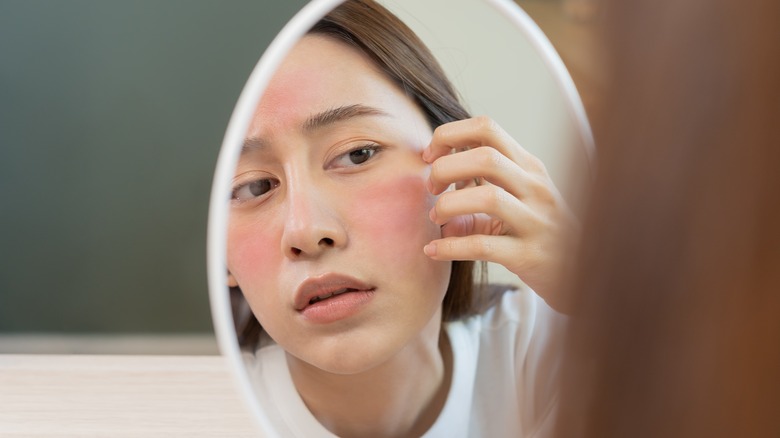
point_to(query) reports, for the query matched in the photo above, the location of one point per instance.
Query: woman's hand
(515, 216)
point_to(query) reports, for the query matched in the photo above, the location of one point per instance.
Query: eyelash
(273, 183)
(234, 195)
(374, 148)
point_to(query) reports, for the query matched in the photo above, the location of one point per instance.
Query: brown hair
(405, 59)
(677, 330)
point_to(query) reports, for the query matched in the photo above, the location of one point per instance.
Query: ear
(231, 280)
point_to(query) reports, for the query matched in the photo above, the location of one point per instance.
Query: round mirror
(319, 284)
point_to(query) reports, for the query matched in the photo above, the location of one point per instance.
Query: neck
(401, 397)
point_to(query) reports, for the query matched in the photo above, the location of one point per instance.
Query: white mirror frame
(234, 137)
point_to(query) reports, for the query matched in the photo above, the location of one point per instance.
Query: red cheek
(252, 253)
(394, 208)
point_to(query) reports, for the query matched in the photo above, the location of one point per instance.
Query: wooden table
(120, 396)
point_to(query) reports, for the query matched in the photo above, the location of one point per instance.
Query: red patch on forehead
(318, 74)
(287, 101)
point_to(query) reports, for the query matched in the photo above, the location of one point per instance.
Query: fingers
(483, 162)
(474, 247)
(514, 216)
(535, 264)
(498, 249)
(476, 132)
(501, 212)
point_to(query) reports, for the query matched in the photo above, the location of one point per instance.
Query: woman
(351, 250)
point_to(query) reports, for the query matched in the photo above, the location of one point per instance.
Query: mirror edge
(216, 243)
(550, 57)
(258, 80)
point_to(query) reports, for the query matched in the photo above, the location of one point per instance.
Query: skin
(390, 219)
(515, 217)
(327, 215)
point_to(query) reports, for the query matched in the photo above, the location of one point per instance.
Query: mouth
(319, 298)
(325, 287)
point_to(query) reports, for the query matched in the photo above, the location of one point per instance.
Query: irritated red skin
(380, 211)
(377, 212)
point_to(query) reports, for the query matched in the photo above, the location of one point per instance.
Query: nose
(312, 224)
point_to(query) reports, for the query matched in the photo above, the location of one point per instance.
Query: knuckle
(537, 165)
(487, 124)
(450, 247)
(480, 248)
(489, 157)
(494, 197)
(542, 192)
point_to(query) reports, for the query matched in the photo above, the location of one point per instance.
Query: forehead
(320, 74)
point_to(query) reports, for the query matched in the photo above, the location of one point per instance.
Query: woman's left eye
(357, 156)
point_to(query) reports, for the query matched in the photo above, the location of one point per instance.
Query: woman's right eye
(254, 189)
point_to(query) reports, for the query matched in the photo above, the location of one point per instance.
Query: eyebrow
(321, 120)
(335, 115)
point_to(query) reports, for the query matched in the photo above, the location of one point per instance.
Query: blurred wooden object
(120, 396)
(157, 344)
(572, 26)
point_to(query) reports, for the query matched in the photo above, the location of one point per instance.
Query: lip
(334, 308)
(326, 284)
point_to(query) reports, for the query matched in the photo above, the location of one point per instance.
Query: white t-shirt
(506, 365)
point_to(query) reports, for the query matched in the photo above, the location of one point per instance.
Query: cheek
(395, 211)
(251, 256)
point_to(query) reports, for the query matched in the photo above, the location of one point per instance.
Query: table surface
(120, 396)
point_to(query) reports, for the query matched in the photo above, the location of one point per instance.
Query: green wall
(111, 117)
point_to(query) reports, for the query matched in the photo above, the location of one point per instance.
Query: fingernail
(429, 185)
(426, 155)
(432, 214)
(430, 250)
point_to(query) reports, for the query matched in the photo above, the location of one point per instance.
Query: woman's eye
(254, 189)
(357, 156)
(360, 156)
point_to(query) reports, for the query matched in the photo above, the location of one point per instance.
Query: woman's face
(329, 197)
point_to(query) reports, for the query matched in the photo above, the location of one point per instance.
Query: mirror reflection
(366, 200)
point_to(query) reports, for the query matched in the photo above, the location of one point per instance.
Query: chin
(353, 355)
(355, 358)
(346, 366)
